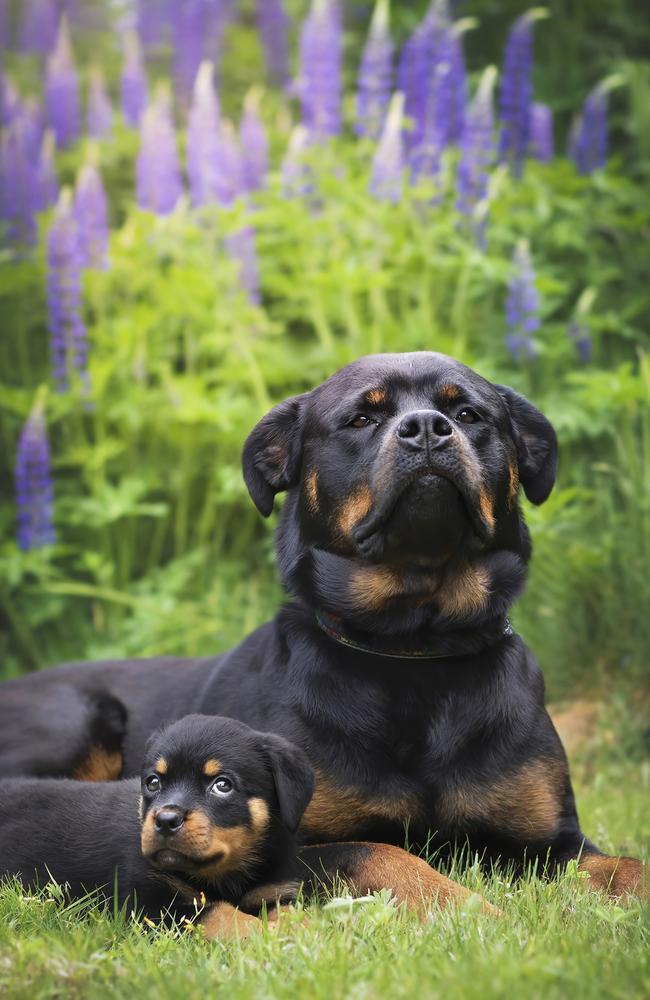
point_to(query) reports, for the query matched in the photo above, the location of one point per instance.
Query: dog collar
(334, 629)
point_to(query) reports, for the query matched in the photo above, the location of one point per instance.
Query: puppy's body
(395, 669)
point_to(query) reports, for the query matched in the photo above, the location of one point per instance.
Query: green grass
(554, 940)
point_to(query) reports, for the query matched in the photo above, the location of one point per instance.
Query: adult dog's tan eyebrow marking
(376, 397)
(448, 392)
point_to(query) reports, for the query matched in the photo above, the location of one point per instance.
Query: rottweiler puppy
(215, 812)
(394, 667)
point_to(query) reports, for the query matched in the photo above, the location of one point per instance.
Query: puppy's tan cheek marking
(311, 491)
(354, 509)
(448, 393)
(513, 485)
(487, 509)
(211, 768)
(464, 591)
(376, 397)
(161, 766)
(148, 836)
(259, 813)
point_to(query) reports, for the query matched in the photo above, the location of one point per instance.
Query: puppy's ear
(536, 445)
(272, 452)
(293, 777)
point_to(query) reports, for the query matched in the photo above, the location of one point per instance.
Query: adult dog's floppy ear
(293, 777)
(536, 445)
(271, 457)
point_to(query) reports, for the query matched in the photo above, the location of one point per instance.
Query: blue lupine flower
(297, 177)
(387, 178)
(158, 174)
(522, 306)
(99, 114)
(320, 69)
(273, 24)
(33, 126)
(254, 144)
(417, 72)
(153, 20)
(34, 487)
(542, 146)
(37, 26)
(588, 138)
(187, 39)
(477, 153)
(46, 184)
(91, 213)
(517, 91)
(68, 342)
(62, 89)
(375, 74)
(17, 206)
(452, 84)
(204, 165)
(231, 173)
(134, 90)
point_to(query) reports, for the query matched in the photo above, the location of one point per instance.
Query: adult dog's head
(403, 472)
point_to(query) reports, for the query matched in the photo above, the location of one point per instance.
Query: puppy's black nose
(169, 820)
(424, 428)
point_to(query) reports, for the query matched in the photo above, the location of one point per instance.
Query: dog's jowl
(394, 666)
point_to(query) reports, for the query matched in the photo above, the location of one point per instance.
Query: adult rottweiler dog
(215, 811)
(394, 667)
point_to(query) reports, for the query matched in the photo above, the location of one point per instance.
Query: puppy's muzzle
(424, 431)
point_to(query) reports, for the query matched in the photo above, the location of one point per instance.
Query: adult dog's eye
(361, 421)
(467, 416)
(152, 783)
(222, 786)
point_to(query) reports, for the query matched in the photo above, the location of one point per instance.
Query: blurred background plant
(207, 206)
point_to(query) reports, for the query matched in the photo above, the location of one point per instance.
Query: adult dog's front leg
(367, 867)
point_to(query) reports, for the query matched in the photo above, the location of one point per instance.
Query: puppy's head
(407, 461)
(216, 794)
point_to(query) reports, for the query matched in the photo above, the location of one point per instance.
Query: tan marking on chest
(513, 485)
(99, 765)
(464, 591)
(486, 505)
(525, 803)
(337, 813)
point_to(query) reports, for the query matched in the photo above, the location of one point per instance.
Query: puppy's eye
(152, 783)
(467, 416)
(361, 421)
(222, 786)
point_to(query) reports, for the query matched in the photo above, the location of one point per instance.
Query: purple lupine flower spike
(415, 73)
(62, 89)
(588, 137)
(34, 487)
(153, 19)
(522, 306)
(46, 185)
(4, 25)
(68, 342)
(542, 146)
(456, 88)
(100, 110)
(33, 126)
(375, 74)
(273, 24)
(231, 174)
(187, 40)
(297, 179)
(134, 90)
(203, 139)
(17, 202)
(91, 213)
(517, 90)
(387, 177)
(158, 174)
(477, 152)
(254, 143)
(320, 69)
(241, 244)
(37, 26)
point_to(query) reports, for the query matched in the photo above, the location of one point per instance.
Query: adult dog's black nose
(424, 429)
(168, 820)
